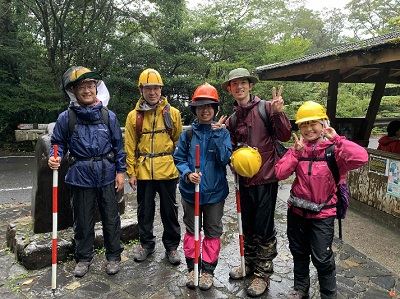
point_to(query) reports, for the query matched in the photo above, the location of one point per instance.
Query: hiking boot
(236, 272)
(257, 287)
(206, 281)
(297, 294)
(190, 280)
(173, 257)
(81, 269)
(112, 267)
(142, 254)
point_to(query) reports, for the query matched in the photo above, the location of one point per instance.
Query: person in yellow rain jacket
(152, 131)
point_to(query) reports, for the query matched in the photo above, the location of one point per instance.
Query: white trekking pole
(239, 220)
(196, 220)
(55, 222)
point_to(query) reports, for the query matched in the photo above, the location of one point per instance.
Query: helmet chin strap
(316, 139)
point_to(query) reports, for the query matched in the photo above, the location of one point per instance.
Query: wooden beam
(370, 73)
(374, 104)
(351, 73)
(345, 63)
(331, 102)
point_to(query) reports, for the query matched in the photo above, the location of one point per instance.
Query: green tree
(373, 17)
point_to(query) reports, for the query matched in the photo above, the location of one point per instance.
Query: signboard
(378, 165)
(393, 187)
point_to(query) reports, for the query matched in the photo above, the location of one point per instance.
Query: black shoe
(142, 254)
(173, 257)
(112, 267)
(297, 294)
(81, 269)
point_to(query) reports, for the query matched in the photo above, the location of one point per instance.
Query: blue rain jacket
(215, 154)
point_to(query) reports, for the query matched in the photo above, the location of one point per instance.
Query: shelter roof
(357, 62)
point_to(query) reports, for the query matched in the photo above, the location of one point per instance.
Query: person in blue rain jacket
(215, 152)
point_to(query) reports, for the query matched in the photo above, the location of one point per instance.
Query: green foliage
(373, 17)
(188, 47)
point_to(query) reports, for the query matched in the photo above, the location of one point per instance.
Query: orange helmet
(205, 92)
(203, 95)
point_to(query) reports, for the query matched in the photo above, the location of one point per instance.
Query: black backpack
(342, 192)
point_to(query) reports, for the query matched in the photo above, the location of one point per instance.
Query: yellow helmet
(76, 74)
(150, 77)
(310, 111)
(246, 161)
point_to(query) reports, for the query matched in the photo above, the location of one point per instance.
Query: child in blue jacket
(215, 153)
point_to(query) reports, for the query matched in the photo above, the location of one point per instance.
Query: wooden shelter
(375, 60)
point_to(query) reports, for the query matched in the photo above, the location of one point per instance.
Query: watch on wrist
(187, 177)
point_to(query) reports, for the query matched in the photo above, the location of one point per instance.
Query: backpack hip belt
(110, 156)
(153, 155)
(309, 206)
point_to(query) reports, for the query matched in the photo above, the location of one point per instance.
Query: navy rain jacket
(89, 141)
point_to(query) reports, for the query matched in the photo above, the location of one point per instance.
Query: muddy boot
(258, 286)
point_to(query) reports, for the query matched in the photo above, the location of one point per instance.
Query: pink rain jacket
(315, 182)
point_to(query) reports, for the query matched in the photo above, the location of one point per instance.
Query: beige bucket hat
(238, 73)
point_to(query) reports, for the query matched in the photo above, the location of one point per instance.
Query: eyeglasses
(83, 87)
(204, 107)
(308, 123)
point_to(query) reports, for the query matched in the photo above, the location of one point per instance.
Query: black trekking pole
(340, 207)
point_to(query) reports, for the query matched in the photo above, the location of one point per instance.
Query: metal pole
(196, 220)
(55, 221)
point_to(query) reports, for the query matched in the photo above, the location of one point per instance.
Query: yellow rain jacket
(150, 157)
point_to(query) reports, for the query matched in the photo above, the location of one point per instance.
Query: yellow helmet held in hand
(310, 111)
(150, 77)
(246, 161)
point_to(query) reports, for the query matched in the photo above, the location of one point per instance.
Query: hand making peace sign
(298, 145)
(277, 100)
(218, 125)
(328, 131)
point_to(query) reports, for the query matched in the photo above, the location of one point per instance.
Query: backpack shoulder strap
(139, 123)
(167, 119)
(71, 123)
(331, 161)
(166, 116)
(105, 116)
(262, 111)
(232, 120)
(188, 135)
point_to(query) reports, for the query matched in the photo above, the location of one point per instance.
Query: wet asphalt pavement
(358, 276)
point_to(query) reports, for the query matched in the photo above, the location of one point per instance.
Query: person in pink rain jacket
(310, 233)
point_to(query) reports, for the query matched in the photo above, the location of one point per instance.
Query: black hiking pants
(83, 206)
(312, 237)
(259, 234)
(146, 194)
